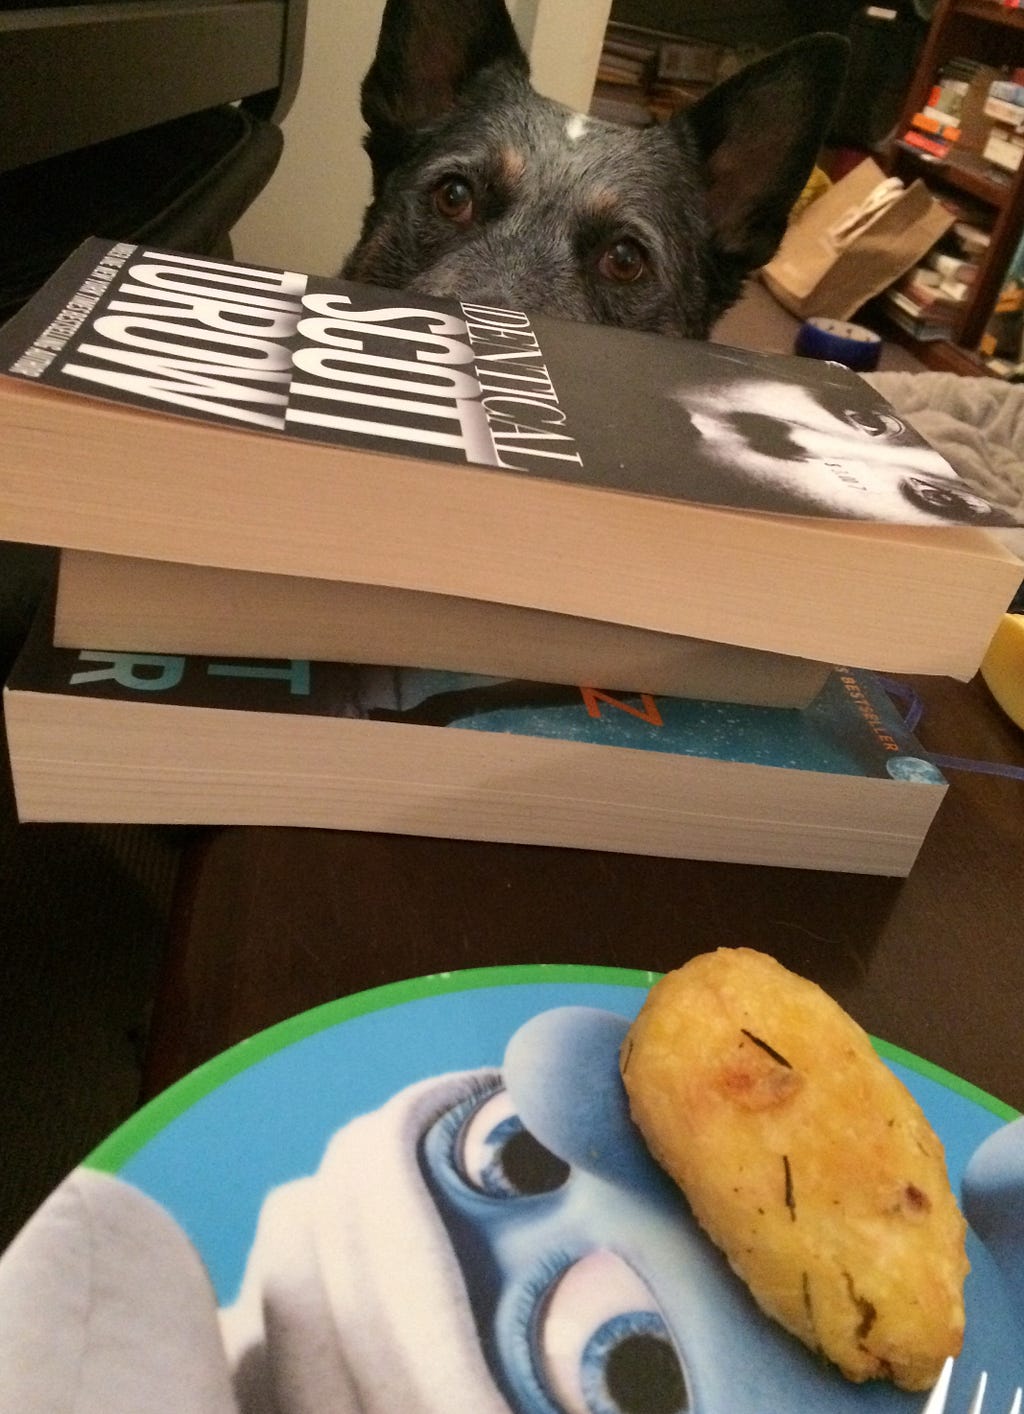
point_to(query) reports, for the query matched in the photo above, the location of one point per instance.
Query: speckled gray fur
(706, 196)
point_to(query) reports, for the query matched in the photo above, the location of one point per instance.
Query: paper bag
(853, 242)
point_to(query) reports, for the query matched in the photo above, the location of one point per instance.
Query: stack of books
(331, 554)
(930, 301)
(1004, 104)
(971, 236)
(973, 107)
(624, 72)
(936, 127)
(687, 69)
(646, 76)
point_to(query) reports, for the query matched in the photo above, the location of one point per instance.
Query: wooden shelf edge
(938, 355)
(965, 171)
(991, 12)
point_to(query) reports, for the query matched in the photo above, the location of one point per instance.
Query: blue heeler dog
(485, 190)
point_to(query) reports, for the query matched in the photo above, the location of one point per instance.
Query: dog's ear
(759, 134)
(427, 52)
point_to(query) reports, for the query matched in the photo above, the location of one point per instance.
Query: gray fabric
(976, 423)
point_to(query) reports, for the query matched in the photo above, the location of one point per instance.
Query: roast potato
(805, 1160)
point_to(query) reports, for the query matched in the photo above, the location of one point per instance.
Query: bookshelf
(661, 55)
(985, 31)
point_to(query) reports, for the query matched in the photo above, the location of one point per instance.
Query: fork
(937, 1399)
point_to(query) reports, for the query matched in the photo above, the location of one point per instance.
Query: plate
(354, 1210)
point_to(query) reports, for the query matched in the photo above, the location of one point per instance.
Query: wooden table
(270, 922)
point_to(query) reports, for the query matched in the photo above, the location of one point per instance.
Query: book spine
(1003, 111)
(934, 147)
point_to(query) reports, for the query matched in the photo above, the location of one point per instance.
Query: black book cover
(398, 374)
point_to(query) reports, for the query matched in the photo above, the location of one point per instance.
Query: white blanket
(978, 426)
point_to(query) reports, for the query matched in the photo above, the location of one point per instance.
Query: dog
(487, 191)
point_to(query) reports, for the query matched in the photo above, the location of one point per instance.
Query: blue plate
(429, 1197)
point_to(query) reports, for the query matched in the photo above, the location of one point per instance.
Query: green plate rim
(139, 1129)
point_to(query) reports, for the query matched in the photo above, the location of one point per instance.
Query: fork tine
(937, 1399)
(936, 1403)
(979, 1394)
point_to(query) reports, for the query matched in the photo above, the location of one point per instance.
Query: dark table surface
(271, 922)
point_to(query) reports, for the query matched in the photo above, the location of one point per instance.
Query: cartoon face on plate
(501, 1241)
(494, 1240)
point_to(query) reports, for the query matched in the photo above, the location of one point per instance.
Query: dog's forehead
(543, 147)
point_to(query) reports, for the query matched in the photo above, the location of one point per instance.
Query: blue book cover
(838, 785)
(852, 728)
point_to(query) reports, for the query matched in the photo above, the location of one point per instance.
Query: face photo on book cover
(820, 450)
(752, 431)
(494, 1238)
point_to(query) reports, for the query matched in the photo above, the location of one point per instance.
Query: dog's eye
(453, 199)
(623, 262)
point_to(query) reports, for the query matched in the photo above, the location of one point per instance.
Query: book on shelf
(970, 237)
(1004, 145)
(1005, 110)
(925, 303)
(919, 322)
(952, 267)
(934, 120)
(683, 61)
(1002, 343)
(965, 110)
(931, 120)
(169, 407)
(115, 601)
(631, 69)
(625, 69)
(950, 89)
(934, 292)
(620, 75)
(629, 44)
(937, 124)
(1004, 149)
(1007, 91)
(925, 145)
(95, 736)
(621, 103)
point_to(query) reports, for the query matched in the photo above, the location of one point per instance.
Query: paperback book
(118, 601)
(96, 735)
(169, 407)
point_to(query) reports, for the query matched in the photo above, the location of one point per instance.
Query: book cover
(388, 373)
(156, 738)
(851, 728)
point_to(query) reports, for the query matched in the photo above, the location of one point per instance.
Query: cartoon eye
(874, 422)
(623, 262)
(453, 199)
(497, 1155)
(602, 1345)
